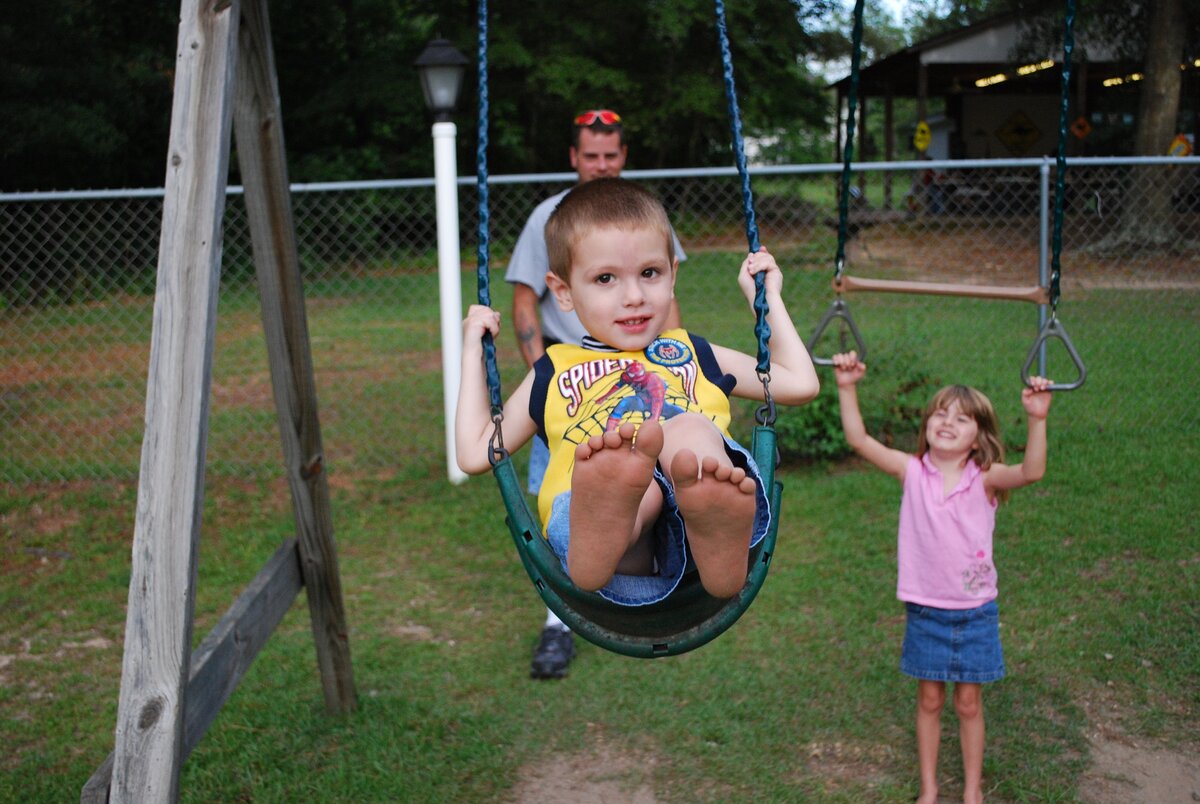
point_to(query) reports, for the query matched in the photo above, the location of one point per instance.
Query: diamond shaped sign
(1018, 133)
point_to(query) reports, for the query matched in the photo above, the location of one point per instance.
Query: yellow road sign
(922, 136)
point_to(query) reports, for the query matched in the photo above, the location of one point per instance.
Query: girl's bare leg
(716, 499)
(968, 703)
(931, 697)
(613, 501)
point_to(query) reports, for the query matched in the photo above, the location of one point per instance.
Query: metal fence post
(1043, 250)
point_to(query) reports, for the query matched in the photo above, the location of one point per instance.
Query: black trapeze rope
(848, 151)
(1060, 173)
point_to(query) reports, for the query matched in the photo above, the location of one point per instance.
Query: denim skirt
(953, 644)
(671, 556)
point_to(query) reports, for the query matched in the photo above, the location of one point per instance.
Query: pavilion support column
(837, 127)
(1081, 109)
(922, 91)
(889, 142)
(861, 155)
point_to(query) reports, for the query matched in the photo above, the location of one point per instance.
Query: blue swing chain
(848, 151)
(496, 451)
(1060, 173)
(762, 330)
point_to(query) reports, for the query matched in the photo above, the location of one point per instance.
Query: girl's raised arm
(1036, 401)
(848, 370)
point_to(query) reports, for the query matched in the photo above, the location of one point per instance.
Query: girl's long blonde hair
(989, 449)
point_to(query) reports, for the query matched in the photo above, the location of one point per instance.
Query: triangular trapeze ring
(1054, 330)
(837, 310)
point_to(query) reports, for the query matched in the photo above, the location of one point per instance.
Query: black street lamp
(441, 67)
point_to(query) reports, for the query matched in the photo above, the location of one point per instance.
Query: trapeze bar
(1033, 293)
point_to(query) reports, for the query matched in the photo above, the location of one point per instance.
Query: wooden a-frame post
(225, 75)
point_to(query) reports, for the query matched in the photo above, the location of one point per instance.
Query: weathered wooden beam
(158, 628)
(225, 655)
(259, 128)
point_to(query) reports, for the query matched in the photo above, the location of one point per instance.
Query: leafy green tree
(657, 63)
(85, 94)
(93, 110)
(352, 104)
(928, 18)
(881, 36)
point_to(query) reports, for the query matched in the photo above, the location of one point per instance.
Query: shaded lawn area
(801, 700)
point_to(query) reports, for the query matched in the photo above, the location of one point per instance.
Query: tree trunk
(1147, 219)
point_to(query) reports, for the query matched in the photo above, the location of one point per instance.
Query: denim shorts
(539, 459)
(672, 558)
(953, 644)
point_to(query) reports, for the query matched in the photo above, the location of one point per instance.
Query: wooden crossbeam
(852, 284)
(225, 654)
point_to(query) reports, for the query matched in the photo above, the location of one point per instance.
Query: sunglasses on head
(605, 116)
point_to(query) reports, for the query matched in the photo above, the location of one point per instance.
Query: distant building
(981, 101)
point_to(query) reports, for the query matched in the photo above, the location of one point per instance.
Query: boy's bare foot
(612, 473)
(718, 503)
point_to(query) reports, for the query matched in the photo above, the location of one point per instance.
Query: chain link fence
(77, 277)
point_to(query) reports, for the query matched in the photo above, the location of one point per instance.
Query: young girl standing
(947, 576)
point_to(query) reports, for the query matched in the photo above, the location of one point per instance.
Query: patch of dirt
(850, 763)
(1126, 769)
(1123, 770)
(600, 774)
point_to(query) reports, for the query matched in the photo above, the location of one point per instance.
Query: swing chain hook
(496, 450)
(765, 415)
(839, 269)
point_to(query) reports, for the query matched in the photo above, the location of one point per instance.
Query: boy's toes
(611, 439)
(721, 472)
(685, 469)
(649, 439)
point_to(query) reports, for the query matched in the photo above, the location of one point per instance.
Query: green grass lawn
(801, 700)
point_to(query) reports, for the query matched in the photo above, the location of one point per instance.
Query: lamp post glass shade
(441, 67)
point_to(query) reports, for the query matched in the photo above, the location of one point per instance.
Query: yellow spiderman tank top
(580, 391)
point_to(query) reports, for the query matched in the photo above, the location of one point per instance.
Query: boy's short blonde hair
(598, 204)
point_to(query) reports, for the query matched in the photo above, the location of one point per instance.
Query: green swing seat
(686, 619)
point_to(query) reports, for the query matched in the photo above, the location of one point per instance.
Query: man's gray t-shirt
(530, 262)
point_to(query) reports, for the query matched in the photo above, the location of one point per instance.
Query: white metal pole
(445, 175)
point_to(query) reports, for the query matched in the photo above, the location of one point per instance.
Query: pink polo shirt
(945, 541)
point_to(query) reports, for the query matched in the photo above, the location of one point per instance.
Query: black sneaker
(553, 653)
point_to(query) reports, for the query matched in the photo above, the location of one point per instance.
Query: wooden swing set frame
(224, 76)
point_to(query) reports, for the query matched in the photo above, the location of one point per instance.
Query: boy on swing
(643, 478)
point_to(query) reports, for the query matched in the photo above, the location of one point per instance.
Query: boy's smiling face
(622, 283)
